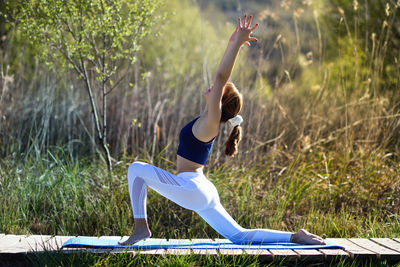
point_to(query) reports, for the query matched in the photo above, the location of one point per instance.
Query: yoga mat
(94, 242)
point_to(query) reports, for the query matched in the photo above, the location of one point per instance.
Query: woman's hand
(243, 31)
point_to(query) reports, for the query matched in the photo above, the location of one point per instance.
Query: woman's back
(196, 140)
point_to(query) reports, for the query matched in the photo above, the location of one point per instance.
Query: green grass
(56, 195)
(126, 259)
(87, 259)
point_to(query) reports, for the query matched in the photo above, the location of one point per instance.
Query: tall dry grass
(296, 95)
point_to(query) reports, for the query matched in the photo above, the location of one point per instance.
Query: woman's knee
(136, 169)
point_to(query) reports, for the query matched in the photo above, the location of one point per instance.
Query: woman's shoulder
(204, 129)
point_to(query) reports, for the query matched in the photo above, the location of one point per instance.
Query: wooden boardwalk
(356, 248)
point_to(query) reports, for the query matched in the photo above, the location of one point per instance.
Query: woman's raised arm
(239, 37)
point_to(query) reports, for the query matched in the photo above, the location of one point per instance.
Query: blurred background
(324, 73)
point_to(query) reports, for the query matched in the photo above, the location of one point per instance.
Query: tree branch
(92, 102)
(119, 80)
(92, 42)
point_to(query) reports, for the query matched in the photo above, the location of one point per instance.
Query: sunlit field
(321, 131)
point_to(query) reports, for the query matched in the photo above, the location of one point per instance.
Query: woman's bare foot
(304, 237)
(135, 237)
(141, 232)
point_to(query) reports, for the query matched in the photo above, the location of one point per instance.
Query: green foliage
(186, 46)
(78, 32)
(94, 38)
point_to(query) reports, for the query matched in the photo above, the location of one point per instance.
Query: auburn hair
(231, 105)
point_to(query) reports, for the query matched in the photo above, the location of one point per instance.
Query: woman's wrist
(232, 41)
(235, 44)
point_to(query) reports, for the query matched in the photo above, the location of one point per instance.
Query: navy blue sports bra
(192, 148)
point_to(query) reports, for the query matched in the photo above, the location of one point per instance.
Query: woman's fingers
(253, 39)
(246, 24)
(250, 20)
(254, 27)
(248, 43)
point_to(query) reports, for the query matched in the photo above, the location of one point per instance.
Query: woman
(190, 188)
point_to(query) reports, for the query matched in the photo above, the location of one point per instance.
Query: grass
(126, 259)
(48, 196)
(85, 259)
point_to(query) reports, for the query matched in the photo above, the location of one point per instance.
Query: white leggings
(193, 191)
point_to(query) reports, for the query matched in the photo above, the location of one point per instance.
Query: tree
(95, 38)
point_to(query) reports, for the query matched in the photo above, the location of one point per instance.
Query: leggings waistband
(191, 175)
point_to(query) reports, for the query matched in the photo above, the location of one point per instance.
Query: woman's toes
(134, 238)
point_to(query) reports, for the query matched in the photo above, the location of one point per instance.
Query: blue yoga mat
(150, 243)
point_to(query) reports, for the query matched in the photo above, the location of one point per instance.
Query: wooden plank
(170, 251)
(123, 250)
(56, 242)
(231, 251)
(263, 254)
(310, 254)
(152, 251)
(71, 250)
(38, 242)
(388, 243)
(396, 239)
(32, 243)
(381, 252)
(178, 251)
(97, 250)
(284, 254)
(334, 254)
(205, 251)
(7, 242)
(85, 250)
(88, 250)
(24, 244)
(16, 244)
(354, 250)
